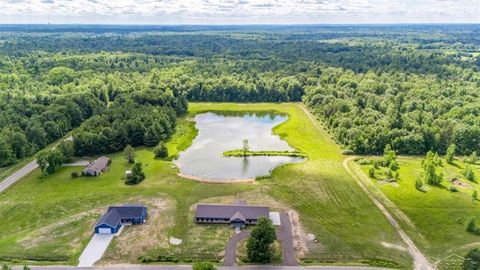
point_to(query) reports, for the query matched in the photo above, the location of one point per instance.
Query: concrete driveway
(95, 249)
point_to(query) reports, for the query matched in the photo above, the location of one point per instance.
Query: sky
(239, 11)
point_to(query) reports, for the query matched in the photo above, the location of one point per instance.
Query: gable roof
(237, 215)
(115, 214)
(99, 164)
(111, 218)
(228, 211)
(128, 211)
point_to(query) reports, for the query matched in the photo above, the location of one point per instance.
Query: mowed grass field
(439, 215)
(50, 219)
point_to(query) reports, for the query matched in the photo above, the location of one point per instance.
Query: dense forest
(414, 87)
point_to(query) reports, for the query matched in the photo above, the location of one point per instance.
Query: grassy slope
(331, 205)
(439, 215)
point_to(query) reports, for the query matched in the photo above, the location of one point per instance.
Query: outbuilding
(97, 167)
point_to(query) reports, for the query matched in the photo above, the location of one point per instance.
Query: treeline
(28, 125)
(414, 114)
(139, 118)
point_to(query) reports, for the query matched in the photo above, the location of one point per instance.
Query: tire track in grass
(420, 262)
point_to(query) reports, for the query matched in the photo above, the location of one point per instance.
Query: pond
(218, 133)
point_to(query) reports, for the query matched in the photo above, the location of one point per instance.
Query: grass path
(419, 260)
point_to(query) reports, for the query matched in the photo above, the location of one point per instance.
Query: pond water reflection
(219, 133)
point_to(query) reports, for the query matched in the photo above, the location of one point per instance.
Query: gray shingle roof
(228, 211)
(128, 211)
(99, 164)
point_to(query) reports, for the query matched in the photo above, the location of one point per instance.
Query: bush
(470, 175)
(74, 174)
(371, 172)
(419, 184)
(203, 266)
(453, 189)
(472, 227)
(472, 260)
(160, 151)
(348, 152)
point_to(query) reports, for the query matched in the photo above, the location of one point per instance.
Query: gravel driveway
(95, 249)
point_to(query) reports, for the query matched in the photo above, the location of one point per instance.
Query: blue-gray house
(111, 221)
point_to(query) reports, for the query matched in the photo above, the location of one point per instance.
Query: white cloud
(238, 11)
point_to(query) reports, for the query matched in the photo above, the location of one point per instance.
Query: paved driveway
(95, 249)
(284, 234)
(231, 251)
(12, 179)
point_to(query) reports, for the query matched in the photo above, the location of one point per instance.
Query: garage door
(104, 230)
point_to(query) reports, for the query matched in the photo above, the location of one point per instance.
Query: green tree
(371, 172)
(389, 155)
(26, 267)
(66, 148)
(50, 160)
(430, 173)
(450, 156)
(6, 267)
(469, 174)
(474, 195)
(472, 226)
(136, 176)
(245, 147)
(259, 245)
(472, 260)
(129, 154)
(473, 158)
(160, 151)
(203, 266)
(7, 156)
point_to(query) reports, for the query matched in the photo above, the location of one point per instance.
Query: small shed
(97, 167)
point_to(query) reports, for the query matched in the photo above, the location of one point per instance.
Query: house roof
(111, 218)
(116, 213)
(128, 211)
(237, 215)
(99, 164)
(228, 211)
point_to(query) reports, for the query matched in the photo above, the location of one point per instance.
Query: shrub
(472, 227)
(453, 189)
(160, 151)
(348, 152)
(74, 174)
(419, 184)
(203, 266)
(470, 175)
(472, 260)
(364, 161)
(371, 172)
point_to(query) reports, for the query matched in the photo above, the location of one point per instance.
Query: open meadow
(49, 219)
(438, 215)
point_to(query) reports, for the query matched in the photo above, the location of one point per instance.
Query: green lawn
(439, 215)
(51, 218)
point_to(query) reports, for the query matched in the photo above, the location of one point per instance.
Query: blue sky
(239, 11)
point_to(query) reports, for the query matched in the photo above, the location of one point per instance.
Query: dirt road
(420, 262)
